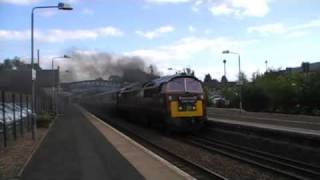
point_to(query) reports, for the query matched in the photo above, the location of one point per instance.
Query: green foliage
(206, 92)
(14, 63)
(231, 93)
(286, 93)
(44, 119)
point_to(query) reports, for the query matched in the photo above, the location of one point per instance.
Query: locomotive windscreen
(184, 85)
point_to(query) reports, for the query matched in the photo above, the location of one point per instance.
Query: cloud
(222, 9)
(188, 47)
(156, 32)
(167, 1)
(13, 35)
(309, 25)
(296, 34)
(19, 2)
(240, 8)
(191, 29)
(87, 11)
(60, 35)
(266, 29)
(290, 31)
(196, 5)
(47, 12)
(200, 52)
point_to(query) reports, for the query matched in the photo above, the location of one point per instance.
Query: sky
(170, 33)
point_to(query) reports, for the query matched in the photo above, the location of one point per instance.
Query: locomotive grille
(179, 109)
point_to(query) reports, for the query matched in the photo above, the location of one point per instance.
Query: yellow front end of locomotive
(197, 112)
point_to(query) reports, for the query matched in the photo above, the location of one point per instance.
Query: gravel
(13, 157)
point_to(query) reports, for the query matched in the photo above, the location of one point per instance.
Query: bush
(294, 93)
(44, 120)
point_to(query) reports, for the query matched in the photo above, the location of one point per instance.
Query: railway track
(194, 169)
(288, 167)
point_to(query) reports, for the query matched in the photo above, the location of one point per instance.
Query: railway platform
(81, 146)
(268, 125)
(294, 124)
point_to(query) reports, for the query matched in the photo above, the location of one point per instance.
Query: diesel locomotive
(176, 102)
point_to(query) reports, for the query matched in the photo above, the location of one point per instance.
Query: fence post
(13, 98)
(27, 110)
(21, 120)
(3, 93)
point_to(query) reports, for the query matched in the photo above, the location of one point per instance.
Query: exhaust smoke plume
(90, 65)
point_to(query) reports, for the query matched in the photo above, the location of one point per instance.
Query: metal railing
(15, 116)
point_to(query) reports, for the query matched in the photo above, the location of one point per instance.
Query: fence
(15, 117)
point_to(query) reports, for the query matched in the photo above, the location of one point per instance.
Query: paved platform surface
(268, 125)
(301, 124)
(80, 146)
(75, 149)
(150, 165)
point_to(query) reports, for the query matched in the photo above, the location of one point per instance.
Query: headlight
(170, 98)
(201, 97)
(180, 108)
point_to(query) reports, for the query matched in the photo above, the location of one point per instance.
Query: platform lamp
(54, 102)
(240, 80)
(60, 6)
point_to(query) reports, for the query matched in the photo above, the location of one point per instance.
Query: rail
(282, 165)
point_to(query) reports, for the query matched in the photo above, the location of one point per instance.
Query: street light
(240, 80)
(64, 6)
(54, 102)
(224, 65)
(60, 6)
(266, 62)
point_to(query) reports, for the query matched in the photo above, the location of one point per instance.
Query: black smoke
(91, 65)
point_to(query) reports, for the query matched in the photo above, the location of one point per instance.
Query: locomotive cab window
(193, 85)
(184, 85)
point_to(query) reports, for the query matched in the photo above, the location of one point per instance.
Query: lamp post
(60, 6)
(266, 65)
(240, 80)
(54, 102)
(224, 65)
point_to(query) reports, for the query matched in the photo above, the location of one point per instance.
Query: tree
(224, 79)
(14, 63)
(188, 71)
(207, 78)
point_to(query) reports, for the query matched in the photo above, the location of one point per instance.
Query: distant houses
(305, 67)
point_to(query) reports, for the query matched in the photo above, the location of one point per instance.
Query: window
(184, 85)
(176, 85)
(193, 85)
